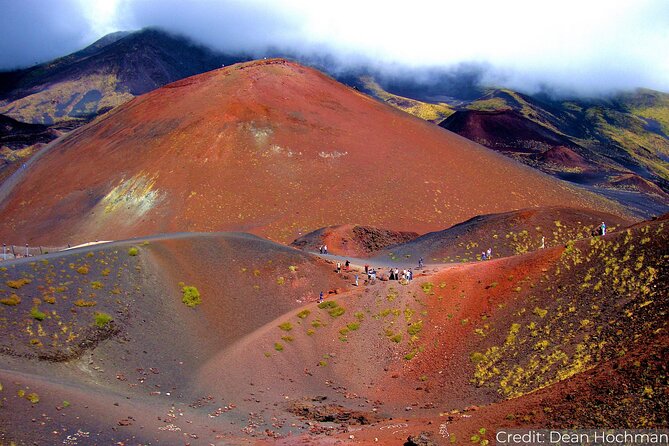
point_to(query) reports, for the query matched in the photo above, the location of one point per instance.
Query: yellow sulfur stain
(137, 195)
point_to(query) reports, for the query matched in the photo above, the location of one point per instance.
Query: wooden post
(13, 252)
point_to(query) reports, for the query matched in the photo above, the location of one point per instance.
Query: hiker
(543, 243)
(420, 263)
(320, 298)
(482, 255)
(356, 280)
(346, 265)
(602, 229)
(366, 268)
(410, 273)
(338, 267)
(372, 273)
(320, 249)
(325, 249)
(397, 274)
(488, 254)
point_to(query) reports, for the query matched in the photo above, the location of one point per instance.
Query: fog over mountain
(587, 48)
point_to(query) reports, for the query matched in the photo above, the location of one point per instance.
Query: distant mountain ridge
(107, 73)
(624, 136)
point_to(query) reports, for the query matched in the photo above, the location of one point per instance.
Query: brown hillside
(459, 349)
(352, 240)
(506, 234)
(269, 147)
(503, 130)
(561, 157)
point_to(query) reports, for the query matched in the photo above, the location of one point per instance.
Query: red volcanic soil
(459, 349)
(268, 147)
(506, 234)
(634, 182)
(561, 157)
(352, 240)
(502, 130)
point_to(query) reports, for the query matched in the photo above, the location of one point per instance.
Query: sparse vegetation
(102, 319)
(427, 287)
(332, 307)
(415, 328)
(37, 314)
(286, 326)
(352, 326)
(17, 284)
(11, 301)
(191, 296)
(133, 251)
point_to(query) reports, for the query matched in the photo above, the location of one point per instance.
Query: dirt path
(10, 183)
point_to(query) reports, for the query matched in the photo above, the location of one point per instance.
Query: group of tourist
(486, 255)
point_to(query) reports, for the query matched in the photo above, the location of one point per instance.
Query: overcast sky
(588, 46)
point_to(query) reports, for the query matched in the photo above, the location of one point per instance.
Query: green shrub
(36, 314)
(102, 319)
(303, 314)
(415, 328)
(133, 251)
(97, 285)
(427, 287)
(278, 346)
(16, 284)
(540, 312)
(476, 357)
(286, 326)
(83, 269)
(191, 296)
(11, 301)
(333, 307)
(336, 312)
(353, 326)
(396, 338)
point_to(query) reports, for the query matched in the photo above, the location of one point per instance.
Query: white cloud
(582, 45)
